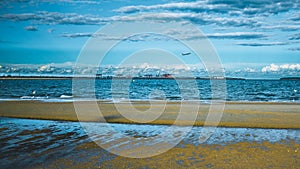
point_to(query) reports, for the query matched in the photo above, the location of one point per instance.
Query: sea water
(148, 89)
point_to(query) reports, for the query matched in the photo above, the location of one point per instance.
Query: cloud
(44, 17)
(283, 67)
(137, 38)
(237, 35)
(255, 16)
(199, 19)
(77, 35)
(81, 2)
(234, 13)
(282, 27)
(20, 17)
(246, 7)
(178, 70)
(29, 3)
(295, 37)
(296, 18)
(31, 28)
(187, 6)
(295, 49)
(45, 68)
(188, 35)
(251, 70)
(51, 30)
(257, 44)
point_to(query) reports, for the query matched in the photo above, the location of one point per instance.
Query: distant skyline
(250, 34)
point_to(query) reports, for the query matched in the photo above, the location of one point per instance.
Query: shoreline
(110, 101)
(236, 114)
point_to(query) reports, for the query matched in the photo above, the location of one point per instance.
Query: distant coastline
(290, 78)
(134, 78)
(117, 77)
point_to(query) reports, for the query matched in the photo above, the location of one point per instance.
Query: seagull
(33, 92)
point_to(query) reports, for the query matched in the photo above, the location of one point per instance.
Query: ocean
(60, 90)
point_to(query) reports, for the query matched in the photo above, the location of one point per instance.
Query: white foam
(65, 96)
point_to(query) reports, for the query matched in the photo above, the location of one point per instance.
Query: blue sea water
(147, 89)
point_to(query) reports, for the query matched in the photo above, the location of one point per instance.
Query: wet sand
(252, 115)
(238, 155)
(54, 144)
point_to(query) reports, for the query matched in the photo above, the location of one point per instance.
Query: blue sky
(245, 33)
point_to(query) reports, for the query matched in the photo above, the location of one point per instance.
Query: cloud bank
(246, 7)
(67, 69)
(283, 67)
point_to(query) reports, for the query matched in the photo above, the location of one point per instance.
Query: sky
(248, 35)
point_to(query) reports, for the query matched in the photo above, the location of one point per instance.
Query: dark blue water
(149, 89)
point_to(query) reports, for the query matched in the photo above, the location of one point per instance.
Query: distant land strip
(121, 77)
(111, 77)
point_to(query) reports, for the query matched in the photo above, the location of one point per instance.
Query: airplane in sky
(186, 53)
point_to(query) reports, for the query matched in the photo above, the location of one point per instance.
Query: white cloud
(181, 5)
(269, 71)
(249, 70)
(257, 44)
(226, 35)
(45, 68)
(76, 35)
(237, 35)
(31, 28)
(44, 17)
(283, 67)
(234, 13)
(247, 7)
(253, 19)
(187, 35)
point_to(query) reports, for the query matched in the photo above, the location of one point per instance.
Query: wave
(65, 96)
(34, 97)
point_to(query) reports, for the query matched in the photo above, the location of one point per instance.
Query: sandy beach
(236, 114)
(250, 135)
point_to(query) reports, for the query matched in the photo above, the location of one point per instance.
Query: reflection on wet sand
(53, 144)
